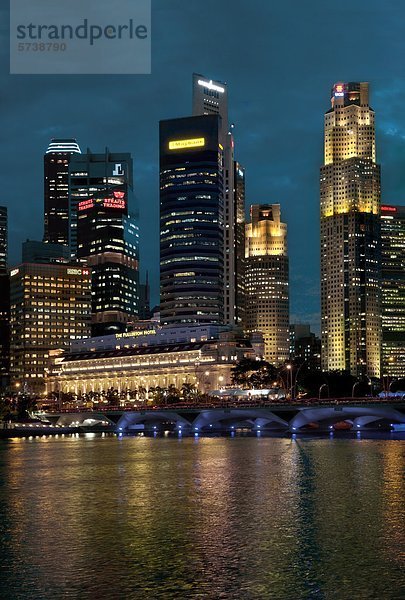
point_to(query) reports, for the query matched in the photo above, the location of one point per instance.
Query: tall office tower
(266, 280)
(4, 302)
(50, 307)
(56, 189)
(144, 299)
(42, 252)
(107, 237)
(239, 243)
(191, 220)
(211, 98)
(393, 290)
(350, 235)
(305, 347)
(3, 239)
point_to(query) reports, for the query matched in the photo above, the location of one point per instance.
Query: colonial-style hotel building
(200, 355)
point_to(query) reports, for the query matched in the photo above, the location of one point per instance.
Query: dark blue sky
(279, 60)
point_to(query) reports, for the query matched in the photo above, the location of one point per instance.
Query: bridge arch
(83, 419)
(258, 419)
(130, 420)
(358, 415)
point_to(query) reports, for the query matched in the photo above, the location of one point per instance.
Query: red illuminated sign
(119, 195)
(85, 204)
(113, 203)
(389, 209)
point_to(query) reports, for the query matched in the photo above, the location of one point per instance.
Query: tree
(142, 393)
(250, 373)
(188, 391)
(158, 394)
(340, 383)
(25, 405)
(112, 397)
(6, 409)
(311, 382)
(398, 385)
(172, 394)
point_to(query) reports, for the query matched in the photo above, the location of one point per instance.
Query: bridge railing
(301, 403)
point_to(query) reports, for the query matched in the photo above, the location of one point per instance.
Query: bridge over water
(358, 414)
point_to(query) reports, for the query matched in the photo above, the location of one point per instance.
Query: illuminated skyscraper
(3, 239)
(266, 280)
(56, 189)
(238, 249)
(305, 346)
(50, 307)
(350, 235)
(191, 221)
(393, 289)
(107, 236)
(4, 301)
(211, 98)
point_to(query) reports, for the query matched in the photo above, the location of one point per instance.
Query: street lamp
(385, 384)
(289, 369)
(354, 387)
(296, 375)
(294, 379)
(321, 388)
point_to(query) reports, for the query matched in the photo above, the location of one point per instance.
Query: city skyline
(270, 125)
(146, 265)
(202, 299)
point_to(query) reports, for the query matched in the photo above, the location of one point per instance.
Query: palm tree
(159, 394)
(142, 394)
(172, 394)
(188, 390)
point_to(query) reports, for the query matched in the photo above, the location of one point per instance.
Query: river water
(97, 517)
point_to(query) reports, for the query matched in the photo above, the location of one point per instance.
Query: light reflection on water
(105, 517)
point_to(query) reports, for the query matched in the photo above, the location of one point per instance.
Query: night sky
(279, 60)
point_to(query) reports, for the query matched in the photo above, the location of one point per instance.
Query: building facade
(266, 280)
(56, 189)
(350, 235)
(144, 299)
(50, 307)
(305, 346)
(211, 98)
(97, 176)
(4, 302)
(393, 290)
(34, 251)
(107, 237)
(3, 239)
(191, 221)
(205, 363)
(239, 243)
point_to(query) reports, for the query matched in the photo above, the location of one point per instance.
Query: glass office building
(191, 220)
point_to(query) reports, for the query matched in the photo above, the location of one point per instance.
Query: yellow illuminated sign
(191, 143)
(136, 333)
